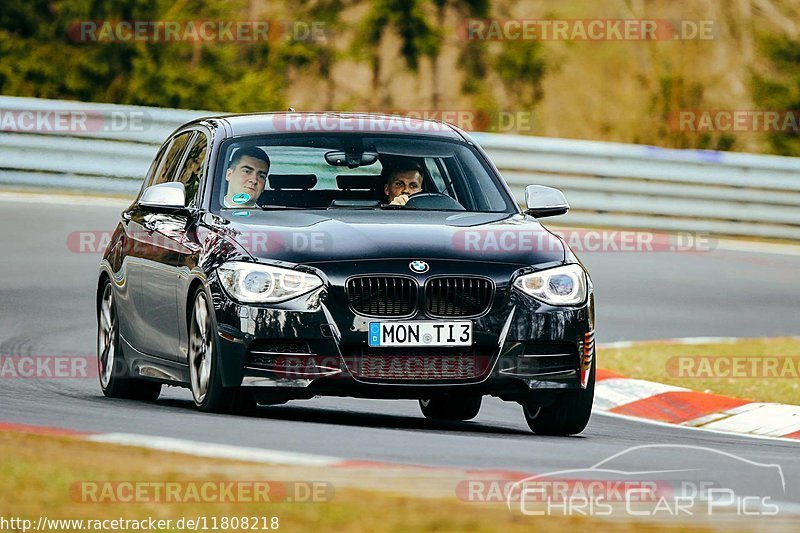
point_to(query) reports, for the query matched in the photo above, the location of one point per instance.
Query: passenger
(247, 177)
(402, 181)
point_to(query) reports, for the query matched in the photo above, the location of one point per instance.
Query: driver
(402, 182)
(246, 176)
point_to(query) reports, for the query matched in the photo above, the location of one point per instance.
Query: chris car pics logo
(676, 480)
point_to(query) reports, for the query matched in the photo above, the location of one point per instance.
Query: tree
(463, 9)
(407, 18)
(777, 87)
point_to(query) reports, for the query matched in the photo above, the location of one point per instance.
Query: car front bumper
(316, 345)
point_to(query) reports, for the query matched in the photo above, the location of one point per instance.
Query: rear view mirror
(544, 201)
(343, 159)
(164, 196)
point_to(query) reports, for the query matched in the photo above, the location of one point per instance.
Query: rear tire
(451, 407)
(111, 367)
(569, 415)
(205, 374)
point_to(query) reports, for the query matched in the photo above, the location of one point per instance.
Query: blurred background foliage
(411, 56)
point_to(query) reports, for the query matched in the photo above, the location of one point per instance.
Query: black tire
(111, 368)
(568, 415)
(451, 407)
(203, 349)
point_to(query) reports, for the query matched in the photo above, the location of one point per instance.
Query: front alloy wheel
(201, 349)
(106, 337)
(205, 375)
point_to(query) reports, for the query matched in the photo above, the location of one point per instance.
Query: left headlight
(564, 285)
(255, 283)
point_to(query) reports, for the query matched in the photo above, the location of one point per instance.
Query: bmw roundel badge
(418, 266)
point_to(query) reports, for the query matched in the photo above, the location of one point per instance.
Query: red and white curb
(657, 402)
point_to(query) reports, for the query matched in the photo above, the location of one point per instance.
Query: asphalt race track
(47, 298)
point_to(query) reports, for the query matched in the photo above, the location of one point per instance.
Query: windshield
(355, 172)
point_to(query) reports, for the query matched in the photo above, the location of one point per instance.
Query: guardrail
(607, 184)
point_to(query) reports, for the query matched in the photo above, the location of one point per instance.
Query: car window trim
(181, 155)
(209, 172)
(154, 166)
(197, 133)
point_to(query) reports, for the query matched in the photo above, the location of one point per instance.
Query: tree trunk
(436, 97)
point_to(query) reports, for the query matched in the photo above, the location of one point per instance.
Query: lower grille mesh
(417, 364)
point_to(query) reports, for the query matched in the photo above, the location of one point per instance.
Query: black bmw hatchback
(275, 257)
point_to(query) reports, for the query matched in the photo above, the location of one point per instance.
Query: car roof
(332, 122)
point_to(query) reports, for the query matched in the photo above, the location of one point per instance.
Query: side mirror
(544, 201)
(164, 196)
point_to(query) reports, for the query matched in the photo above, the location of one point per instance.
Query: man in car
(246, 176)
(401, 182)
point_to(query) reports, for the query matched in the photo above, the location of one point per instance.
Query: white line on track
(217, 451)
(682, 340)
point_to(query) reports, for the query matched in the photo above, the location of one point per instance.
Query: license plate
(420, 333)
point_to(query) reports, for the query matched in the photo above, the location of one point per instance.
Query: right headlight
(257, 283)
(564, 285)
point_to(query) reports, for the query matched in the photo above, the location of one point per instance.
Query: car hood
(343, 235)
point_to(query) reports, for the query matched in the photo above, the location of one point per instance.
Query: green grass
(694, 367)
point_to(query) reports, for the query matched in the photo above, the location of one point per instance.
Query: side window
(168, 167)
(148, 179)
(193, 171)
(435, 174)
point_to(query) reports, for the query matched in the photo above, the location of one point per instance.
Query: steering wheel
(433, 201)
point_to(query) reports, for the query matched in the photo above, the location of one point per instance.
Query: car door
(129, 275)
(177, 233)
(155, 282)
